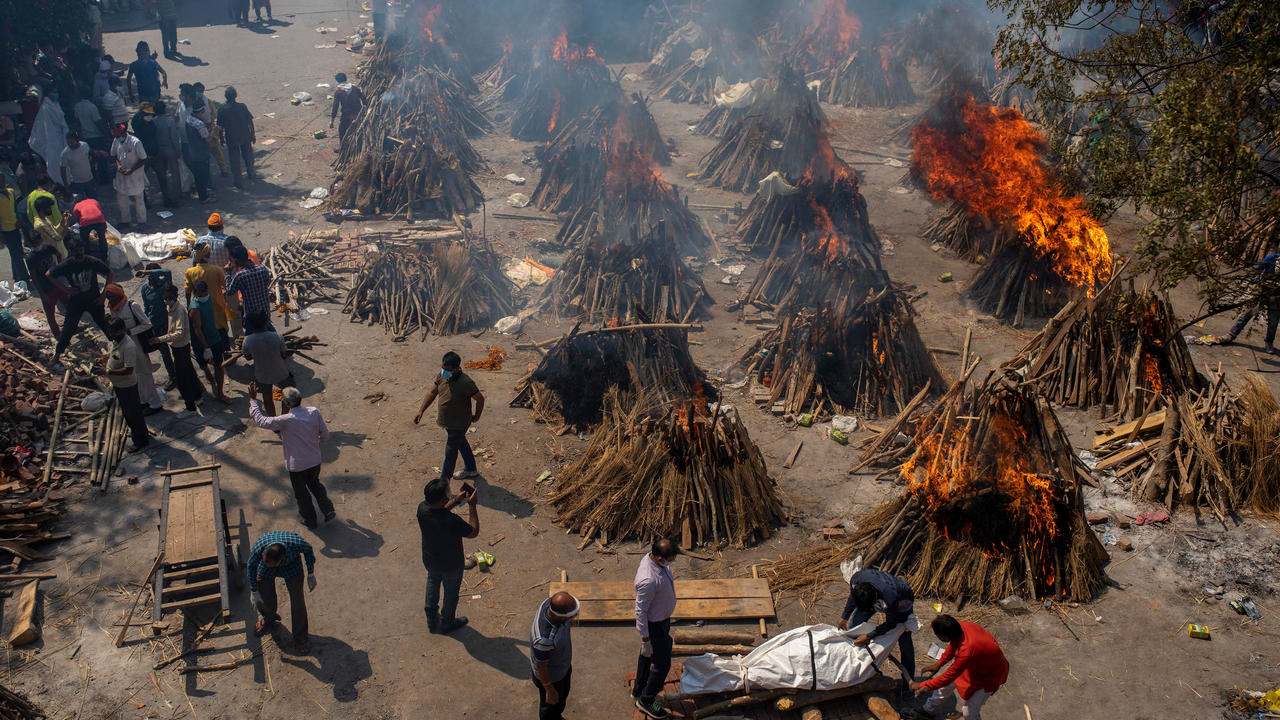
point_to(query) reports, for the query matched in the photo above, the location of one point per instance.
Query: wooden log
(881, 708)
(695, 636)
(713, 649)
(791, 459)
(26, 576)
(811, 713)
(146, 582)
(878, 684)
(57, 424)
(26, 627)
(753, 698)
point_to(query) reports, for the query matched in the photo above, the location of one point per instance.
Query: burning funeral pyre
(576, 162)
(669, 469)
(846, 340)
(508, 78)
(569, 386)
(692, 65)
(852, 70)
(567, 83)
(992, 506)
(441, 287)
(780, 132)
(1120, 349)
(988, 161)
(409, 151)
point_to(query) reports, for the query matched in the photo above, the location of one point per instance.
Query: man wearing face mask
(655, 602)
(552, 653)
(455, 390)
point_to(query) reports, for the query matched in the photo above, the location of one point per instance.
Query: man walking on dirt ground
(280, 555)
(655, 601)
(455, 389)
(347, 101)
(442, 555)
(552, 653)
(302, 431)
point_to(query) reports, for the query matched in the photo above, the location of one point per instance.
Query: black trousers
(17, 260)
(241, 155)
(87, 233)
(306, 485)
(131, 408)
(169, 36)
(71, 321)
(184, 375)
(651, 672)
(556, 711)
(297, 606)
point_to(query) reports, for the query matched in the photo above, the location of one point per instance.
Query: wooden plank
(699, 609)
(26, 629)
(207, 568)
(1127, 454)
(685, 589)
(201, 585)
(791, 459)
(191, 484)
(184, 471)
(1153, 421)
(158, 578)
(220, 538)
(217, 598)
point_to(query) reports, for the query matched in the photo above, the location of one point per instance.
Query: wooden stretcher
(199, 567)
(724, 599)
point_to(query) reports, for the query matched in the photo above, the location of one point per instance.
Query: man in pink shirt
(655, 602)
(302, 430)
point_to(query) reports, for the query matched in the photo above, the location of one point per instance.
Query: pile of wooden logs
(569, 386)
(576, 162)
(1119, 349)
(971, 236)
(992, 506)
(440, 287)
(410, 151)
(859, 355)
(633, 206)
(875, 75)
(628, 279)
(666, 469)
(16, 707)
(567, 84)
(508, 78)
(304, 270)
(1018, 283)
(687, 65)
(402, 54)
(781, 132)
(293, 342)
(1213, 450)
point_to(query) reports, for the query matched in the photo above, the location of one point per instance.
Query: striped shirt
(295, 551)
(252, 283)
(552, 643)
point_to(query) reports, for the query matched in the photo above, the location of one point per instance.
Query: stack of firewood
(569, 386)
(875, 75)
(1120, 349)
(440, 287)
(628, 278)
(633, 205)
(508, 77)
(576, 162)
(16, 707)
(669, 469)
(304, 270)
(688, 64)
(972, 236)
(561, 87)
(781, 132)
(410, 151)
(858, 355)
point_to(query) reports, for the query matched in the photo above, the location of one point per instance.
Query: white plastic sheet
(817, 657)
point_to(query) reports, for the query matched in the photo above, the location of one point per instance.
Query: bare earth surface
(1126, 655)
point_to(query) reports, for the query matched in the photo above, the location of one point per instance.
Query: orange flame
(429, 19)
(834, 32)
(992, 166)
(629, 167)
(956, 488)
(563, 52)
(555, 113)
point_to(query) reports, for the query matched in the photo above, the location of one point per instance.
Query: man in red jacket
(978, 667)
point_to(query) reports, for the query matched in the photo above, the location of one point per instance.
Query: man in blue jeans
(455, 389)
(442, 556)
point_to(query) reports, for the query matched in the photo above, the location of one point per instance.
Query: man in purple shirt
(655, 602)
(302, 430)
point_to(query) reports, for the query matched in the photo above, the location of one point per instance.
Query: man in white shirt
(131, 179)
(77, 167)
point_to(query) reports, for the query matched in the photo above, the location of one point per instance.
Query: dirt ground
(1125, 655)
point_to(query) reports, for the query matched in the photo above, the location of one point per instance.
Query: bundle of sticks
(507, 79)
(992, 506)
(721, 117)
(440, 287)
(825, 198)
(628, 278)
(1214, 450)
(972, 236)
(780, 132)
(567, 84)
(293, 342)
(633, 203)
(409, 151)
(569, 386)
(401, 54)
(689, 63)
(665, 469)
(576, 162)
(304, 270)
(1119, 349)
(1018, 283)
(875, 75)
(17, 707)
(859, 355)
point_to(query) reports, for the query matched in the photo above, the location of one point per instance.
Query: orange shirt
(978, 663)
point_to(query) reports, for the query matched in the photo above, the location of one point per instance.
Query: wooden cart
(199, 568)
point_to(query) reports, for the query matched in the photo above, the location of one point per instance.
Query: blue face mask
(446, 374)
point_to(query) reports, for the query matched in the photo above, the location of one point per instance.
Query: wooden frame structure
(198, 568)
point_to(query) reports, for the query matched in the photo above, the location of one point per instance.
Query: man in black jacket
(872, 591)
(442, 555)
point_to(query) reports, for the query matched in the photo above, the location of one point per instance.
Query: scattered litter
(268, 141)
(1154, 517)
(312, 203)
(317, 311)
(775, 144)
(166, 214)
(844, 423)
(319, 193)
(527, 272)
(273, 37)
(509, 325)
(302, 96)
(319, 134)
(326, 46)
(805, 419)
(886, 246)
(514, 179)
(518, 200)
(1013, 604)
(899, 190)
(894, 162)
(945, 277)
(543, 476)
(1198, 631)
(838, 436)
(935, 651)
(1214, 590)
(735, 269)
(95, 401)
(326, 30)
(1088, 458)
(322, 85)
(184, 42)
